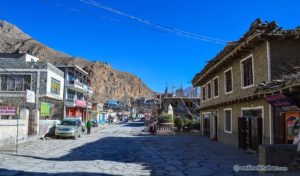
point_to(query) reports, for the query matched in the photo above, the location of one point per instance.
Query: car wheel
(75, 137)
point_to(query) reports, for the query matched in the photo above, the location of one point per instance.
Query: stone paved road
(124, 150)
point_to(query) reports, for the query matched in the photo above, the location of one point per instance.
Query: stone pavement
(124, 150)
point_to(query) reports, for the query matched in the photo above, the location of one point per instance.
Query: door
(206, 127)
(252, 131)
(215, 127)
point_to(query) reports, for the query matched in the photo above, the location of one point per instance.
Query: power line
(175, 31)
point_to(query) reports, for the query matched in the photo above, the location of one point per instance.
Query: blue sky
(156, 57)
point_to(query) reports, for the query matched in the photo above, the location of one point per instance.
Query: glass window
(247, 72)
(3, 82)
(19, 83)
(203, 93)
(228, 81)
(228, 120)
(11, 84)
(27, 82)
(209, 90)
(216, 87)
(55, 86)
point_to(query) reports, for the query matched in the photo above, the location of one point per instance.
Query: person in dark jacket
(88, 126)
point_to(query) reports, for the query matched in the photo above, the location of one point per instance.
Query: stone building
(231, 110)
(21, 72)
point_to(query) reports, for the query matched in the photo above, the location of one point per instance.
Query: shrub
(165, 118)
(179, 123)
(197, 125)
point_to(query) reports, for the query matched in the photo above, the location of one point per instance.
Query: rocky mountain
(107, 82)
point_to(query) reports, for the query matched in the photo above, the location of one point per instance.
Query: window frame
(225, 81)
(225, 130)
(218, 81)
(203, 93)
(209, 90)
(59, 88)
(242, 71)
(15, 75)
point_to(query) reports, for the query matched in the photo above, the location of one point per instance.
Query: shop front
(286, 118)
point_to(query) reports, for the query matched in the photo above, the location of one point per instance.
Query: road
(124, 150)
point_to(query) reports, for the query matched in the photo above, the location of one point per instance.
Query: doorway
(206, 125)
(215, 126)
(250, 129)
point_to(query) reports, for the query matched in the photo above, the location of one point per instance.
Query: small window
(247, 72)
(55, 86)
(227, 120)
(203, 93)
(228, 81)
(208, 90)
(216, 87)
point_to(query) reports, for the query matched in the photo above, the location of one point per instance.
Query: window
(216, 87)
(203, 93)
(227, 120)
(15, 82)
(247, 72)
(55, 86)
(228, 81)
(208, 90)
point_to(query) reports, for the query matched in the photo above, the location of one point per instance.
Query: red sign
(279, 100)
(8, 110)
(81, 103)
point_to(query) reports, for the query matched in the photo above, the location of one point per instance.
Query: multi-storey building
(231, 110)
(77, 92)
(21, 72)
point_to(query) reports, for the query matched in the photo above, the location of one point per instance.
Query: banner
(45, 109)
(8, 110)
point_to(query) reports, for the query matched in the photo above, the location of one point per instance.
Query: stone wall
(260, 63)
(232, 138)
(277, 155)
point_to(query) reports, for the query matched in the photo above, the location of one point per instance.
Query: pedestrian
(89, 126)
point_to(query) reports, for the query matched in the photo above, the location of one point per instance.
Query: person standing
(89, 126)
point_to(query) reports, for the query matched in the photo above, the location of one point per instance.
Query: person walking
(88, 126)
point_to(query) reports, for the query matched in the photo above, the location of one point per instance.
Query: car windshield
(71, 123)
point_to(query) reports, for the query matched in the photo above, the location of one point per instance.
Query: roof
(12, 55)
(72, 66)
(258, 32)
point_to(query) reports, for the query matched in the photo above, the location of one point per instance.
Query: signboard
(45, 109)
(81, 103)
(30, 96)
(279, 100)
(8, 110)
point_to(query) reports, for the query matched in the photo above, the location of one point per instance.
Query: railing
(164, 128)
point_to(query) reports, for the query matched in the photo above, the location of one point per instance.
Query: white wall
(50, 75)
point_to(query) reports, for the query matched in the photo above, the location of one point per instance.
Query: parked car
(69, 127)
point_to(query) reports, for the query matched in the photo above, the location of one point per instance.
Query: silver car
(69, 128)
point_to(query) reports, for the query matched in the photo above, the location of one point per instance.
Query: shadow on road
(153, 152)
(134, 124)
(23, 173)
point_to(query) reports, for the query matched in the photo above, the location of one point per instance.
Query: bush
(197, 125)
(179, 123)
(165, 118)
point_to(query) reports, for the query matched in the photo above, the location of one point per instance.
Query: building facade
(77, 92)
(231, 109)
(20, 73)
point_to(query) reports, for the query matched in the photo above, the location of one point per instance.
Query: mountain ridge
(107, 82)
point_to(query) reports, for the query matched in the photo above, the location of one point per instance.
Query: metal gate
(31, 125)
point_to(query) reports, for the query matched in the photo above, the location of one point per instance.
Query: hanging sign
(30, 96)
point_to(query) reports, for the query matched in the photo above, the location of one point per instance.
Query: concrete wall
(8, 129)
